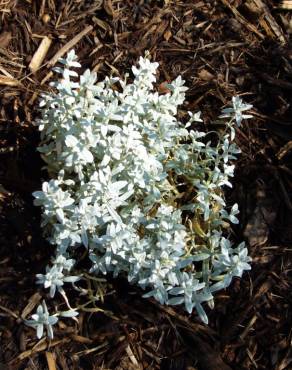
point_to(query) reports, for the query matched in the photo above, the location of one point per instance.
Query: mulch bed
(221, 48)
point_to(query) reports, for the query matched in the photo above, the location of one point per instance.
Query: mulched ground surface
(221, 48)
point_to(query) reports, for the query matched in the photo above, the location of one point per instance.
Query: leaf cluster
(142, 191)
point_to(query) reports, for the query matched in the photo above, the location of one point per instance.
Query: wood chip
(132, 356)
(69, 45)
(286, 4)
(40, 54)
(284, 150)
(91, 350)
(262, 219)
(248, 327)
(257, 230)
(108, 7)
(242, 20)
(167, 34)
(39, 348)
(5, 38)
(102, 24)
(205, 75)
(268, 22)
(5, 72)
(11, 313)
(8, 81)
(47, 77)
(81, 339)
(51, 361)
(32, 302)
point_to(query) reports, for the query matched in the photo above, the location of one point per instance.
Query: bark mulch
(221, 48)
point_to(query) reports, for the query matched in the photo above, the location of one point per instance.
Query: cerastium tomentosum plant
(140, 190)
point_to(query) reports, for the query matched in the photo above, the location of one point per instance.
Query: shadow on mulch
(221, 49)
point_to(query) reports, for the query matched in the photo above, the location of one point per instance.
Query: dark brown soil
(221, 48)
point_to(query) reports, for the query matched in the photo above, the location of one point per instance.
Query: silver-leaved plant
(140, 190)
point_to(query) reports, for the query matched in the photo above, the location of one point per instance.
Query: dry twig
(69, 45)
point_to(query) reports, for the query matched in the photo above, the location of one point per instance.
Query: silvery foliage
(139, 189)
(42, 319)
(55, 277)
